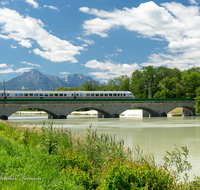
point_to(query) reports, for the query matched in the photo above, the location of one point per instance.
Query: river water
(153, 135)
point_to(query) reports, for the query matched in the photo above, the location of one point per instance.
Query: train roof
(27, 91)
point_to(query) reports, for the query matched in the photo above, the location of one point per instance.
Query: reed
(54, 158)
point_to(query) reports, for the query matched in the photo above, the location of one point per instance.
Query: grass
(54, 158)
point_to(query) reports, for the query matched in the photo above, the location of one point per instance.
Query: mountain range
(35, 80)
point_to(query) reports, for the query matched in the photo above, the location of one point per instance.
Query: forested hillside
(152, 82)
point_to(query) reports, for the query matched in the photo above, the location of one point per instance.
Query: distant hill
(35, 80)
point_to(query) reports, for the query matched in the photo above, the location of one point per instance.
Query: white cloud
(33, 3)
(13, 47)
(15, 26)
(4, 2)
(120, 50)
(51, 7)
(3, 65)
(84, 9)
(193, 2)
(174, 23)
(106, 70)
(25, 43)
(64, 73)
(30, 64)
(21, 70)
(90, 42)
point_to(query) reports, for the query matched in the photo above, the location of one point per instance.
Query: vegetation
(153, 82)
(54, 158)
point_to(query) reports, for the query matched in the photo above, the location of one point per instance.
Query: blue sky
(98, 38)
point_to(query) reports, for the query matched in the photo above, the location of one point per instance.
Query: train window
(45, 94)
(50, 94)
(97, 94)
(41, 94)
(30, 94)
(81, 94)
(87, 94)
(118, 94)
(20, 94)
(26, 94)
(55, 94)
(16, 95)
(72, 94)
(8, 94)
(92, 94)
(101, 94)
(106, 94)
(60, 94)
(110, 94)
(65, 94)
(114, 94)
(35, 94)
(124, 94)
(77, 94)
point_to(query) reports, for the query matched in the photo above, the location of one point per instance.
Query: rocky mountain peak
(35, 80)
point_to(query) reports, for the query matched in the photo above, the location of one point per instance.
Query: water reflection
(154, 135)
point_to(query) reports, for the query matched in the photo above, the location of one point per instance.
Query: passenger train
(65, 94)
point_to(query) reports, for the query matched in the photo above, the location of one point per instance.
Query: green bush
(127, 175)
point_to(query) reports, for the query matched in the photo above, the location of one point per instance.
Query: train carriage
(65, 94)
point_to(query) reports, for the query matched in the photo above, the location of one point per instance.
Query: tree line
(150, 82)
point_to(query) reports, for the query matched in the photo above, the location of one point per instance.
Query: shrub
(127, 175)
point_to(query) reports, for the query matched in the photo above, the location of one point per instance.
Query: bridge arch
(58, 110)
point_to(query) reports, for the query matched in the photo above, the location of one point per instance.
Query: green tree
(115, 84)
(125, 85)
(191, 81)
(197, 101)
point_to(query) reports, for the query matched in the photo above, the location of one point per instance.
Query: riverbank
(52, 158)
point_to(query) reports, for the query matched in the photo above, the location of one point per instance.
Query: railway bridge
(112, 108)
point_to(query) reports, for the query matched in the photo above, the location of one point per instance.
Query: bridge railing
(98, 100)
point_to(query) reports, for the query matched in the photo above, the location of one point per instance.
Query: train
(66, 95)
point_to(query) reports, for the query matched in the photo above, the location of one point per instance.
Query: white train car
(103, 94)
(65, 94)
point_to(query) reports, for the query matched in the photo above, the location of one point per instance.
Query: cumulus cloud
(22, 29)
(4, 68)
(33, 3)
(25, 43)
(13, 47)
(173, 22)
(193, 2)
(64, 73)
(106, 70)
(90, 42)
(3, 65)
(51, 7)
(30, 64)
(21, 70)
(120, 50)
(5, 3)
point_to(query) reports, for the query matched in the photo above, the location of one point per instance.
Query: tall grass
(54, 158)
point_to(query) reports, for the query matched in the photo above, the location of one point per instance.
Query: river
(153, 135)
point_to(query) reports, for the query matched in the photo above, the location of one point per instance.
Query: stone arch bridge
(106, 109)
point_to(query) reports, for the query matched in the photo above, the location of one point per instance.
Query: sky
(98, 38)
